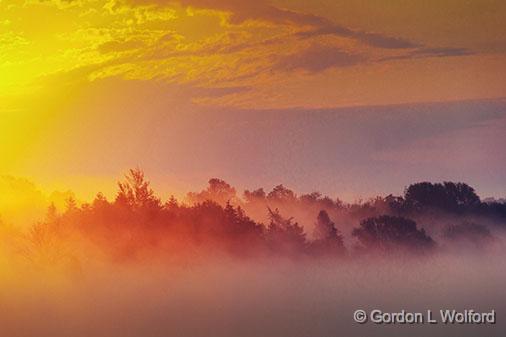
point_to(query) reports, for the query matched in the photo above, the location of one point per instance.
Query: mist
(260, 264)
(261, 298)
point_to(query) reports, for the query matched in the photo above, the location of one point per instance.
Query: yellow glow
(67, 69)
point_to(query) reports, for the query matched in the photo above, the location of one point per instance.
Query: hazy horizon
(349, 152)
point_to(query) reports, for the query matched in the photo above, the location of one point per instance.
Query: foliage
(137, 224)
(448, 196)
(327, 239)
(389, 233)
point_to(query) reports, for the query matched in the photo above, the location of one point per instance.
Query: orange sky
(184, 89)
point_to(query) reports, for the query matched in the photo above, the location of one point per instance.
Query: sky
(351, 98)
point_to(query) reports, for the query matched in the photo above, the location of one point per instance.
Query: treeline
(138, 224)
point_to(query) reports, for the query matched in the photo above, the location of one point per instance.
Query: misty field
(260, 264)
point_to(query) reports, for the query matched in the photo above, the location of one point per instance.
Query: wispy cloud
(372, 39)
(318, 58)
(442, 52)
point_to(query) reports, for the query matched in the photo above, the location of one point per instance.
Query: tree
(135, 192)
(389, 233)
(462, 195)
(70, 205)
(255, 195)
(327, 239)
(281, 193)
(100, 202)
(468, 233)
(172, 204)
(52, 213)
(312, 197)
(218, 191)
(243, 234)
(448, 196)
(317, 199)
(285, 236)
(494, 208)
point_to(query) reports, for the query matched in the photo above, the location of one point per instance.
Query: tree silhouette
(137, 224)
(469, 232)
(281, 193)
(495, 209)
(388, 233)
(218, 191)
(327, 239)
(316, 198)
(135, 192)
(252, 196)
(448, 196)
(285, 236)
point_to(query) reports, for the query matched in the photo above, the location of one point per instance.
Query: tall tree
(327, 239)
(285, 236)
(135, 192)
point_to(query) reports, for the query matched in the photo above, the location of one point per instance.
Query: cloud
(120, 45)
(372, 39)
(431, 52)
(318, 58)
(263, 10)
(441, 52)
(247, 10)
(163, 40)
(381, 41)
